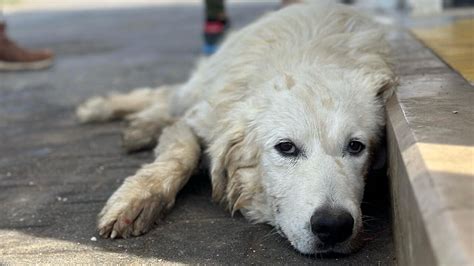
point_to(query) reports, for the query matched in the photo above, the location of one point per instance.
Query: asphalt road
(55, 175)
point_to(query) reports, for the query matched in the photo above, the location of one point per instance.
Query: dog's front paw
(129, 213)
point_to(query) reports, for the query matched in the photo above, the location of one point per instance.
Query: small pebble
(94, 238)
(61, 199)
(455, 112)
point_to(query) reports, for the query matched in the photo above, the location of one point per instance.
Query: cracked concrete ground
(55, 175)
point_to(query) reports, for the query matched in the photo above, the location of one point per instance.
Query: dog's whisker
(269, 235)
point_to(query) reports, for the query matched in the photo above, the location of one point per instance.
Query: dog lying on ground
(288, 112)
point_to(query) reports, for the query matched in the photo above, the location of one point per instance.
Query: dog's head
(317, 136)
(299, 158)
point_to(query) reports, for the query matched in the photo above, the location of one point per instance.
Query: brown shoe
(14, 57)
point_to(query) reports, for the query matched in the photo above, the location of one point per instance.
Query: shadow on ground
(56, 175)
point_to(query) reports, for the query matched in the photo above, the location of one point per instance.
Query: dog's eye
(355, 147)
(287, 148)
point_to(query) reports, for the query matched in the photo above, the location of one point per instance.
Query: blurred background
(415, 6)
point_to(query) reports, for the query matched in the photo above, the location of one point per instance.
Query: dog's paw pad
(94, 110)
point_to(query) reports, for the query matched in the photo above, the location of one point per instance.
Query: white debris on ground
(61, 199)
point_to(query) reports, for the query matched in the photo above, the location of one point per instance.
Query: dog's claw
(129, 216)
(104, 233)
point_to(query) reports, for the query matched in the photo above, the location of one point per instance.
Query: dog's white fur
(316, 74)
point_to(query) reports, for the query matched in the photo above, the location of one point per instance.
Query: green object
(215, 9)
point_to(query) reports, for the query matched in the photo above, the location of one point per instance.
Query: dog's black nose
(332, 226)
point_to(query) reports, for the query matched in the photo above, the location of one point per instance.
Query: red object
(214, 27)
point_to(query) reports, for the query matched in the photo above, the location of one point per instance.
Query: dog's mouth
(308, 242)
(324, 248)
(320, 249)
(341, 249)
(330, 250)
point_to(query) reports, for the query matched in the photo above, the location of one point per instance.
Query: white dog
(288, 111)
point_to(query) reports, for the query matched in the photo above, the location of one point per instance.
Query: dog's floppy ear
(386, 86)
(234, 165)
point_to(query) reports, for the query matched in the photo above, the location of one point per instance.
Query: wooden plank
(454, 43)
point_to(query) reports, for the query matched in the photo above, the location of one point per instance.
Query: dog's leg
(117, 106)
(145, 127)
(136, 205)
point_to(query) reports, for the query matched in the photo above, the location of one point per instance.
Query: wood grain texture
(454, 43)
